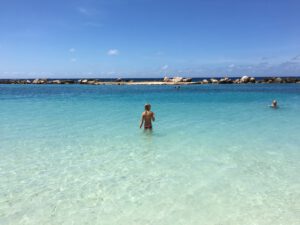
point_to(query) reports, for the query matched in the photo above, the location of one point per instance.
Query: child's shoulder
(148, 113)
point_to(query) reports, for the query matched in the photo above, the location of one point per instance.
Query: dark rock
(225, 80)
(22, 82)
(67, 81)
(252, 80)
(187, 80)
(291, 80)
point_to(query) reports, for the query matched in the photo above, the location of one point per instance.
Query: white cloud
(87, 11)
(113, 52)
(164, 67)
(73, 60)
(231, 66)
(72, 50)
(83, 11)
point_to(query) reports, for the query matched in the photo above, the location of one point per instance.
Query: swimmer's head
(147, 107)
(274, 102)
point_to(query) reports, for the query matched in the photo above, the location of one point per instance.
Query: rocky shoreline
(164, 81)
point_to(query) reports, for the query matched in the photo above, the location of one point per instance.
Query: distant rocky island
(163, 81)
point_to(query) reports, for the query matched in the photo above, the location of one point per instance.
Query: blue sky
(149, 38)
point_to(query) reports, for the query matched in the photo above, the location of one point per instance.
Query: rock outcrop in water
(164, 81)
(187, 79)
(177, 79)
(214, 81)
(40, 81)
(167, 79)
(205, 81)
(225, 80)
(244, 79)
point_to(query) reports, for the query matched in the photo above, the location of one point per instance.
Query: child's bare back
(147, 117)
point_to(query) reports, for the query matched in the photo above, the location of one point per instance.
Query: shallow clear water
(218, 155)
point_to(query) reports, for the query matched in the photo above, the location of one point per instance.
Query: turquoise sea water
(218, 155)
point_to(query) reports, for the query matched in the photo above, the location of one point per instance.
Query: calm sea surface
(218, 155)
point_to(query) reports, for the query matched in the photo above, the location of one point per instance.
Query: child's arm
(153, 117)
(142, 121)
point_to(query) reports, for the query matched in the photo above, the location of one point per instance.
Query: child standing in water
(147, 118)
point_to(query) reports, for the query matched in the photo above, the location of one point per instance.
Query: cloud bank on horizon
(156, 38)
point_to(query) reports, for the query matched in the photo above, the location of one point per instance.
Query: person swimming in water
(274, 104)
(147, 118)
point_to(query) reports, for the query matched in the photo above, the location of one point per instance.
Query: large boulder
(214, 81)
(278, 80)
(39, 81)
(237, 81)
(84, 81)
(35, 81)
(244, 79)
(56, 82)
(205, 81)
(91, 82)
(166, 79)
